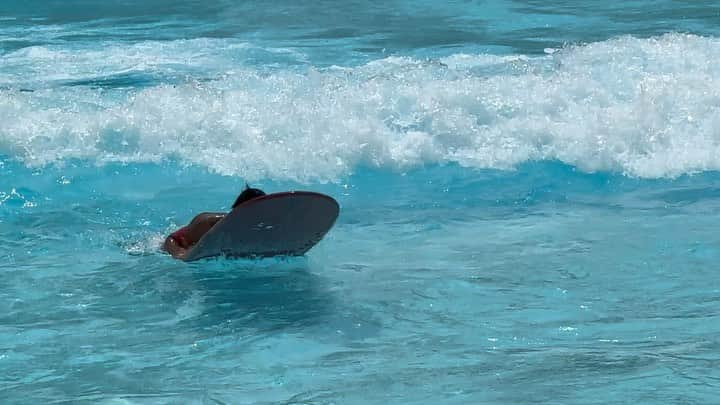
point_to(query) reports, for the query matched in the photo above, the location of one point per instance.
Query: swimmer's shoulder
(208, 216)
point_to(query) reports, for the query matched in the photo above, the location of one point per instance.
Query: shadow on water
(268, 294)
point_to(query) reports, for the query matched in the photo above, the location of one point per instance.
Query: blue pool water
(529, 189)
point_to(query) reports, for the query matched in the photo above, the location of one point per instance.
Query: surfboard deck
(279, 224)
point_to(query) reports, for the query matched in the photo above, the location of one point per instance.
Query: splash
(641, 107)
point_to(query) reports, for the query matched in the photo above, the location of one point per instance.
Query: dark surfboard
(280, 224)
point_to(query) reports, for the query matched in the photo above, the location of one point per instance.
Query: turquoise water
(529, 195)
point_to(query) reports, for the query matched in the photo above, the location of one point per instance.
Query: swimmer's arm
(196, 229)
(171, 246)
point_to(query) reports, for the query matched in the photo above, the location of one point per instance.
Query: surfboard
(279, 224)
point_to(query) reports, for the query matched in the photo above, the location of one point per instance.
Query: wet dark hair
(247, 195)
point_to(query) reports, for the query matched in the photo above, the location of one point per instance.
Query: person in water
(179, 242)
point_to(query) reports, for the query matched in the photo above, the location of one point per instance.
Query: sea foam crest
(643, 107)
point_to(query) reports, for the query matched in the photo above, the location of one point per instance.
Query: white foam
(643, 107)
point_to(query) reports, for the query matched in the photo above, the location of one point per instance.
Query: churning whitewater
(641, 107)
